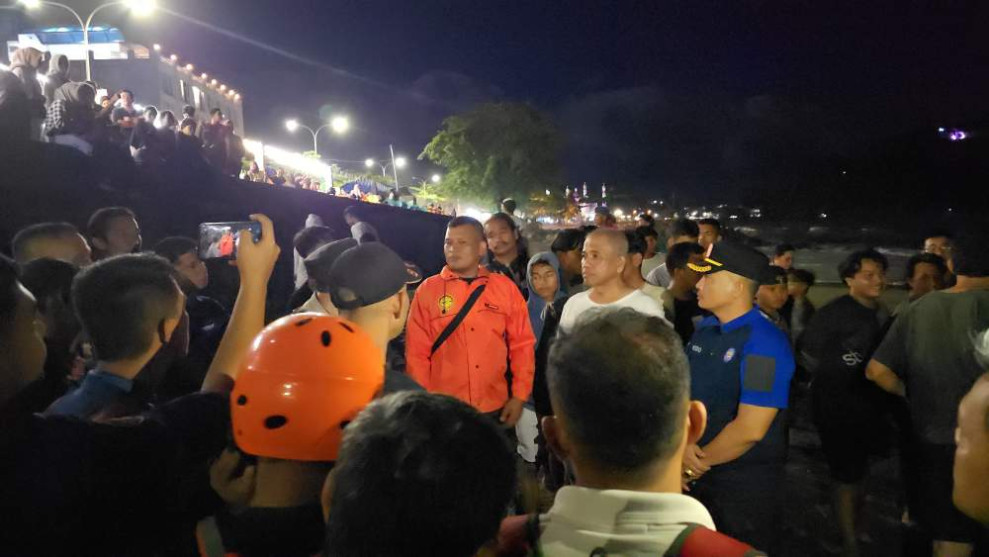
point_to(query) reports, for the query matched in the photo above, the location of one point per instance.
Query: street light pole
(394, 167)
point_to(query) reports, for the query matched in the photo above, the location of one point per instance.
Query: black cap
(320, 261)
(367, 274)
(774, 275)
(735, 258)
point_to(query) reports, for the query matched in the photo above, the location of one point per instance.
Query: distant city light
(824, 215)
(291, 125)
(31, 4)
(140, 8)
(548, 193)
(214, 83)
(223, 87)
(237, 96)
(437, 178)
(173, 58)
(369, 163)
(157, 47)
(940, 130)
(204, 76)
(189, 67)
(957, 135)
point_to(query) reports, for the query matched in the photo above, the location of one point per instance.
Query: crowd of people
(645, 399)
(613, 376)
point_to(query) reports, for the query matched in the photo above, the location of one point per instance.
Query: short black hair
(636, 242)
(568, 240)
(802, 275)
(647, 231)
(99, 223)
(509, 205)
(120, 302)
(174, 247)
(49, 278)
(9, 275)
(853, 263)
(970, 256)
(189, 110)
(710, 222)
(684, 227)
(782, 249)
(128, 91)
(505, 218)
(621, 381)
(311, 237)
(930, 258)
(168, 118)
(774, 275)
(679, 255)
(648, 218)
(352, 211)
(419, 474)
(42, 231)
(151, 109)
(216, 111)
(467, 221)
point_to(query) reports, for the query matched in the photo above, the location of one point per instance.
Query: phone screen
(219, 240)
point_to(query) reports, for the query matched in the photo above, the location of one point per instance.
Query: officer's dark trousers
(746, 503)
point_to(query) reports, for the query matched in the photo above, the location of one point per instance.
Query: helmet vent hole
(346, 326)
(275, 422)
(304, 322)
(344, 424)
(325, 337)
(241, 400)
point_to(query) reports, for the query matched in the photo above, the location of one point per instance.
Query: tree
(496, 150)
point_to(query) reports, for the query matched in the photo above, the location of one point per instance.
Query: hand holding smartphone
(219, 240)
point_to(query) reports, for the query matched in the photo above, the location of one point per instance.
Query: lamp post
(138, 7)
(339, 125)
(395, 164)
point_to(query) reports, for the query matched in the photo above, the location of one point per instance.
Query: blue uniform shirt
(749, 361)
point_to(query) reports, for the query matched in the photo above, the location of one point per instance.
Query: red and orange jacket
(471, 364)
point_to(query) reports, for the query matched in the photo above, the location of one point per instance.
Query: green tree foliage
(496, 150)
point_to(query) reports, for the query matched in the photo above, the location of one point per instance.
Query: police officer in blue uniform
(740, 368)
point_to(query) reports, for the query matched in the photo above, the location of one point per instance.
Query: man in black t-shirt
(848, 409)
(680, 298)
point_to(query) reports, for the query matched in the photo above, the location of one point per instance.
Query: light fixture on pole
(139, 8)
(437, 178)
(339, 125)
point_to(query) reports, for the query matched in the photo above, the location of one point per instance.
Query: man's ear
(556, 437)
(696, 421)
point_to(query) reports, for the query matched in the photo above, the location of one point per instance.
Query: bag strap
(458, 319)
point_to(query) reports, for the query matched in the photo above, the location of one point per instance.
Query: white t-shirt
(649, 264)
(581, 303)
(660, 276)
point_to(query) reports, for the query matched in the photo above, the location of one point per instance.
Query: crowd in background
(599, 396)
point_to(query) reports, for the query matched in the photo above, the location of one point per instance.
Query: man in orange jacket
(469, 360)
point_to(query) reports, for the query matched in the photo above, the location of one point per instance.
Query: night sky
(652, 95)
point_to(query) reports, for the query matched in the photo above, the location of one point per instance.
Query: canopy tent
(366, 185)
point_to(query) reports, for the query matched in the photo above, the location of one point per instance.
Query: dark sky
(651, 95)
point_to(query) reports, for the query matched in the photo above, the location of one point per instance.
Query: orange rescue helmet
(305, 378)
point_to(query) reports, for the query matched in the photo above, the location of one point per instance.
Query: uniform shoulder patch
(760, 373)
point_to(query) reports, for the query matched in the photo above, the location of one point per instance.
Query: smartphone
(219, 240)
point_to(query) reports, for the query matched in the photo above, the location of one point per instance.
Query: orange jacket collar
(447, 274)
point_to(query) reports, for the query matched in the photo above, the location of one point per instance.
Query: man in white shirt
(623, 417)
(360, 230)
(604, 260)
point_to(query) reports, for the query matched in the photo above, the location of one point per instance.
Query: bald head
(604, 257)
(971, 491)
(616, 240)
(52, 240)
